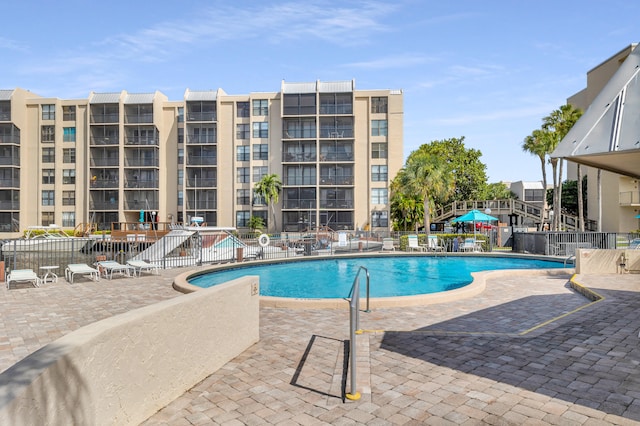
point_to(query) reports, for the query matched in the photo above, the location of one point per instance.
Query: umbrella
(475, 216)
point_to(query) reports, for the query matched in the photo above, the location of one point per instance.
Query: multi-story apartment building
(617, 203)
(124, 157)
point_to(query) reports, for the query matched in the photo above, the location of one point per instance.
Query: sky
(488, 71)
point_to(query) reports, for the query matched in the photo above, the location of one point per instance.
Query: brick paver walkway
(489, 360)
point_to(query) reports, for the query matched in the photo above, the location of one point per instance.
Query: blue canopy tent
(475, 216)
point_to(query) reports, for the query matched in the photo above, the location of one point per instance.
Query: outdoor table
(49, 274)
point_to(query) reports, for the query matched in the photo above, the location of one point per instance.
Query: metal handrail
(354, 327)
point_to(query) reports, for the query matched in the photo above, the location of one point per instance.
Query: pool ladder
(354, 327)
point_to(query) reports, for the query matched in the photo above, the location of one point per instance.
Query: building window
(379, 150)
(48, 134)
(180, 177)
(299, 104)
(242, 175)
(260, 107)
(379, 196)
(48, 155)
(47, 218)
(242, 219)
(242, 131)
(379, 105)
(48, 198)
(258, 200)
(379, 219)
(48, 176)
(69, 199)
(259, 172)
(261, 151)
(48, 112)
(69, 113)
(180, 134)
(180, 114)
(180, 198)
(378, 127)
(378, 173)
(68, 219)
(260, 130)
(533, 195)
(69, 155)
(243, 197)
(242, 109)
(69, 176)
(242, 153)
(69, 134)
(180, 155)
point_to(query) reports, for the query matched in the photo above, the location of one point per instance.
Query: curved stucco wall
(123, 369)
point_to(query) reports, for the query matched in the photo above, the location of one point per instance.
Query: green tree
(269, 188)
(406, 210)
(570, 196)
(497, 191)
(463, 164)
(256, 223)
(426, 177)
(538, 144)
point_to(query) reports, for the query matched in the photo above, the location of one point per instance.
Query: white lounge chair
(387, 244)
(74, 269)
(413, 243)
(108, 267)
(469, 244)
(433, 243)
(23, 275)
(143, 266)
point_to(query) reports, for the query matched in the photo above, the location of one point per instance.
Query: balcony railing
(10, 183)
(202, 138)
(336, 133)
(5, 115)
(299, 180)
(202, 205)
(336, 180)
(201, 116)
(104, 140)
(104, 205)
(142, 162)
(299, 158)
(141, 183)
(10, 139)
(137, 140)
(9, 205)
(333, 204)
(202, 182)
(10, 161)
(138, 204)
(629, 198)
(138, 118)
(336, 156)
(199, 160)
(299, 204)
(104, 161)
(105, 118)
(299, 133)
(104, 183)
(336, 109)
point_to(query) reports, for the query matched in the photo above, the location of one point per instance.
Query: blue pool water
(389, 276)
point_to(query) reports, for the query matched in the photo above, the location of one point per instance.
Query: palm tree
(269, 188)
(406, 210)
(538, 144)
(428, 177)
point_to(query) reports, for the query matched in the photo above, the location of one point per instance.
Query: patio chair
(413, 243)
(108, 267)
(143, 266)
(74, 269)
(434, 244)
(23, 275)
(469, 244)
(387, 244)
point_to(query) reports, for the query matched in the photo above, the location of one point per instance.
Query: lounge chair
(108, 267)
(634, 244)
(74, 269)
(434, 244)
(143, 266)
(387, 244)
(23, 275)
(469, 244)
(413, 244)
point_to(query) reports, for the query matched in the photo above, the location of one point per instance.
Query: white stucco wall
(590, 261)
(123, 369)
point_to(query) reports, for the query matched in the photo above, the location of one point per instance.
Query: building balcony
(105, 118)
(199, 160)
(104, 205)
(104, 183)
(9, 205)
(202, 139)
(297, 204)
(141, 162)
(336, 204)
(5, 115)
(629, 198)
(202, 205)
(299, 181)
(138, 118)
(10, 139)
(342, 109)
(202, 183)
(104, 140)
(13, 160)
(336, 133)
(132, 183)
(299, 158)
(10, 183)
(104, 161)
(201, 116)
(336, 180)
(137, 140)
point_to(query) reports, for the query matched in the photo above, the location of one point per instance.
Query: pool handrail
(351, 292)
(354, 328)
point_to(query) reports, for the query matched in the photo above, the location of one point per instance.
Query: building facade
(615, 202)
(125, 157)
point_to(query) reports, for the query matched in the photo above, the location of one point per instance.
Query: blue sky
(486, 70)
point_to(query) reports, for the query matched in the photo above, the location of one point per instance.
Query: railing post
(354, 309)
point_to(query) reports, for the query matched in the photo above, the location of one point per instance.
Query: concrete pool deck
(527, 350)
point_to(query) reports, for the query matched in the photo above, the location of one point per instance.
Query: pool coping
(477, 286)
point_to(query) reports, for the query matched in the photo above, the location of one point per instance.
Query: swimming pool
(389, 275)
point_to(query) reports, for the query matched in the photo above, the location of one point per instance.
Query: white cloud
(395, 61)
